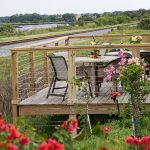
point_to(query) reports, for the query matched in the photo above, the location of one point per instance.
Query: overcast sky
(10, 7)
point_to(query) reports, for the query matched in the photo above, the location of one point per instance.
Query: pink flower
(121, 53)
(11, 146)
(112, 68)
(132, 60)
(24, 141)
(71, 128)
(107, 78)
(122, 61)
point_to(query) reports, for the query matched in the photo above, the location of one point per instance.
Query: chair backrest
(103, 51)
(64, 54)
(60, 67)
(146, 56)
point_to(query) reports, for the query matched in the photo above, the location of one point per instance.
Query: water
(38, 26)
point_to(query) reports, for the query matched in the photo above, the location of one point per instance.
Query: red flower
(147, 147)
(70, 125)
(106, 129)
(145, 140)
(129, 140)
(1, 144)
(136, 141)
(64, 125)
(104, 148)
(2, 122)
(14, 133)
(11, 146)
(43, 146)
(75, 123)
(54, 145)
(24, 141)
(115, 94)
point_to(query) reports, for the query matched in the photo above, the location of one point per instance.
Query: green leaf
(85, 148)
(97, 131)
(80, 136)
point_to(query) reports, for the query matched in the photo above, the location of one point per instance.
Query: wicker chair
(60, 68)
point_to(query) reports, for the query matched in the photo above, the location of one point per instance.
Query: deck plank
(103, 98)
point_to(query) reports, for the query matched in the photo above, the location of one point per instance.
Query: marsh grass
(5, 86)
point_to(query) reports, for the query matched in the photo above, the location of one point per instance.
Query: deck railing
(31, 69)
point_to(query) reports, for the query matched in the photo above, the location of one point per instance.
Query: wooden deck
(38, 104)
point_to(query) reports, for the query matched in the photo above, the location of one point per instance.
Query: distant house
(77, 16)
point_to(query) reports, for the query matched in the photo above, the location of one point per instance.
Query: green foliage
(137, 85)
(80, 22)
(144, 24)
(64, 137)
(69, 18)
(112, 20)
(7, 29)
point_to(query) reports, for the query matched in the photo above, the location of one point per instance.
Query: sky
(50, 7)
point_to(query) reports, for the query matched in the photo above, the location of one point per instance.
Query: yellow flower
(135, 39)
(92, 43)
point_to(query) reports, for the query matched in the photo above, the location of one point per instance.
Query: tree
(69, 18)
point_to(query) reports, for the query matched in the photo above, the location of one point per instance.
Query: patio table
(95, 62)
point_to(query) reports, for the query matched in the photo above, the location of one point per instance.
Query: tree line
(119, 16)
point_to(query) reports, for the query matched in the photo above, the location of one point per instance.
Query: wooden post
(56, 44)
(67, 42)
(46, 74)
(105, 39)
(15, 100)
(71, 77)
(32, 71)
(136, 52)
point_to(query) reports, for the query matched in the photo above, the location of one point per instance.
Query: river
(38, 26)
(5, 50)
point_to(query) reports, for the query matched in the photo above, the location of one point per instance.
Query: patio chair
(60, 68)
(101, 72)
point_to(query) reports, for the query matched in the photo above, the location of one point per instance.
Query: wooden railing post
(136, 52)
(67, 42)
(15, 99)
(105, 39)
(56, 44)
(46, 68)
(71, 77)
(32, 72)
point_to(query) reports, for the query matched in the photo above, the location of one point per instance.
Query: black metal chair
(60, 68)
(102, 67)
(146, 57)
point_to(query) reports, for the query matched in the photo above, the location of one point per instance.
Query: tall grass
(5, 86)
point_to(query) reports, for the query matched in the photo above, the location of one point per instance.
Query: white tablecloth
(103, 59)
